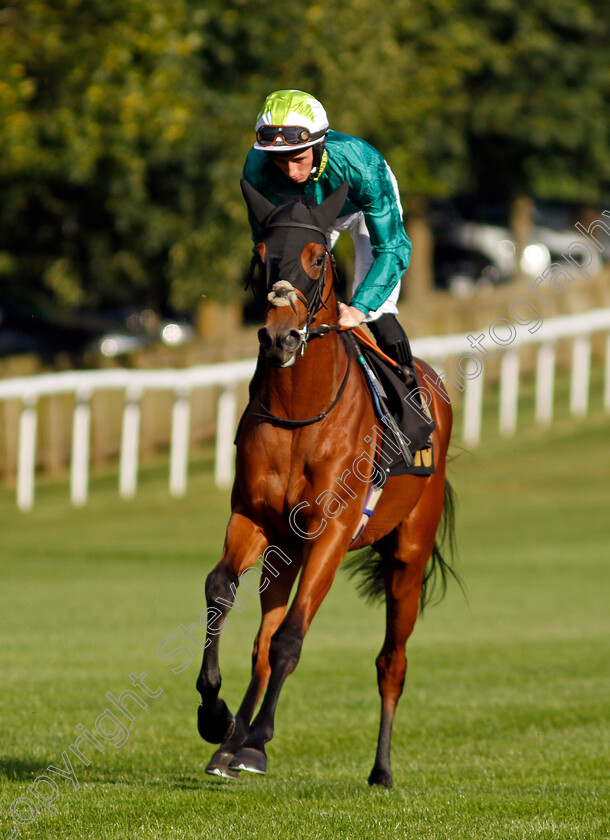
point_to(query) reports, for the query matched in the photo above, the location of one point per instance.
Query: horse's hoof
(250, 760)
(218, 728)
(219, 765)
(380, 777)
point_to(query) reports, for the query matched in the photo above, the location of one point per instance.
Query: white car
(472, 254)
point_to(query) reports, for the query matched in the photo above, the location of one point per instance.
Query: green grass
(501, 732)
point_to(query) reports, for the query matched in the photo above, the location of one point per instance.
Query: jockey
(296, 153)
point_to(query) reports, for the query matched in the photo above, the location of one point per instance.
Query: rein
(289, 423)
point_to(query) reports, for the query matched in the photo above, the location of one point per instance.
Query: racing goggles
(286, 135)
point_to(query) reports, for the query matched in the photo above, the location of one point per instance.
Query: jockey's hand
(349, 316)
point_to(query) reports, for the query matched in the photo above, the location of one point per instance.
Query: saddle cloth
(414, 421)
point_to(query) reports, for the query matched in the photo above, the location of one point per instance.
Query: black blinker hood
(287, 229)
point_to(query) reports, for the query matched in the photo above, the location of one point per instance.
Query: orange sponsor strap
(362, 336)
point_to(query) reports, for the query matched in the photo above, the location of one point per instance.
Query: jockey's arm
(391, 248)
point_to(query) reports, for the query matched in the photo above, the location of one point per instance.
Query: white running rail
(181, 382)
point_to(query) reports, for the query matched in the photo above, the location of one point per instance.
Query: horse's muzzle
(280, 346)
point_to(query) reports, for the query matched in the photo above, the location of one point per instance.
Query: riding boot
(393, 341)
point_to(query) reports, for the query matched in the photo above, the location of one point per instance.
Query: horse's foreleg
(214, 720)
(405, 553)
(274, 599)
(285, 646)
(244, 544)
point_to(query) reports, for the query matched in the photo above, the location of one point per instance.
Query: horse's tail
(438, 565)
(368, 565)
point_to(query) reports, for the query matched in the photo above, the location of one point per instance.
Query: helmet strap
(319, 161)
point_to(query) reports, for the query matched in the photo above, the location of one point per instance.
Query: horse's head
(291, 265)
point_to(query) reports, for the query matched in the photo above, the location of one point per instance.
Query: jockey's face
(297, 167)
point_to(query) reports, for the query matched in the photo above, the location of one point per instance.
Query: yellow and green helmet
(290, 120)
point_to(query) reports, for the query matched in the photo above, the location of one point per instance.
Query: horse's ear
(326, 213)
(258, 204)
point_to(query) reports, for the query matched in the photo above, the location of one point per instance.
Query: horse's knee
(218, 585)
(285, 649)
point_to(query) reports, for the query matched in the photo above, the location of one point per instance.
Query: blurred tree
(124, 123)
(248, 48)
(107, 149)
(500, 99)
(396, 74)
(539, 123)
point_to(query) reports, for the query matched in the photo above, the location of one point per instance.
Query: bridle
(316, 303)
(308, 332)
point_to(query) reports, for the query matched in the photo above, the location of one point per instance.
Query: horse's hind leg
(405, 553)
(274, 599)
(244, 544)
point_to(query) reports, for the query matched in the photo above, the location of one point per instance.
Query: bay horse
(300, 488)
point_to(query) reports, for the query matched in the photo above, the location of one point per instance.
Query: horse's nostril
(264, 339)
(291, 341)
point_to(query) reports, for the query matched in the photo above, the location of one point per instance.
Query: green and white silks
(372, 213)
